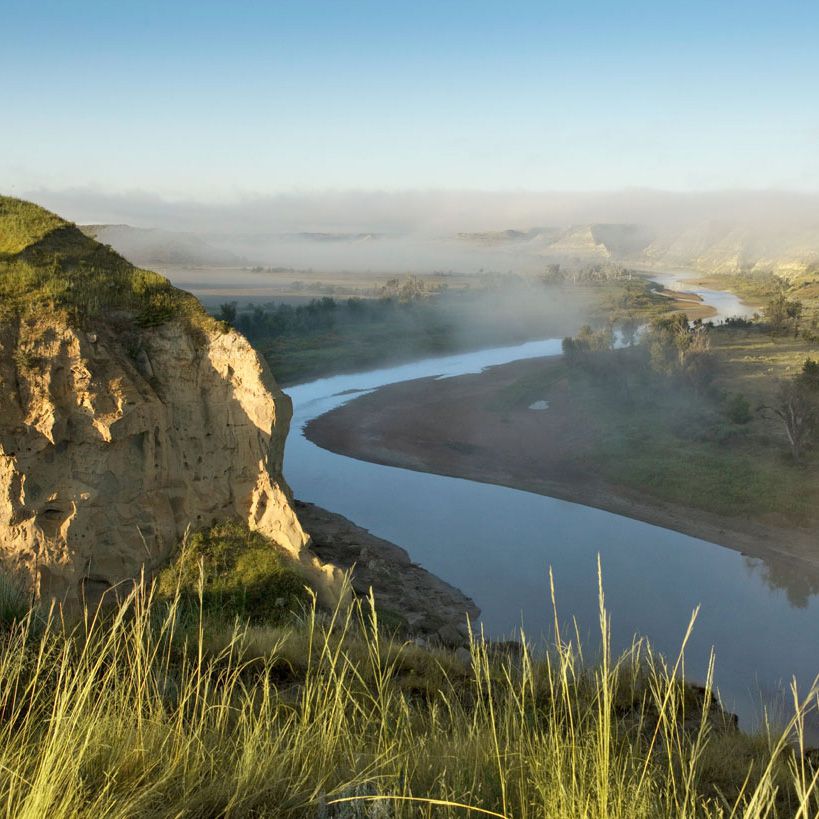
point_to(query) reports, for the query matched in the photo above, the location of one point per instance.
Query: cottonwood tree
(678, 347)
(796, 410)
(783, 315)
(587, 341)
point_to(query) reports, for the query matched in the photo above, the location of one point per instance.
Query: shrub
(241, 574)
(738, 409)
(809, 376)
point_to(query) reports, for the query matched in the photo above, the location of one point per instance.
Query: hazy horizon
(430, 211)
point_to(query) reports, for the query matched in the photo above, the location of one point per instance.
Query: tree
(628, 330)
(810, 374)
(738, 409)
(227, 312)
(783, 315)
(676, 346)
(796, 410)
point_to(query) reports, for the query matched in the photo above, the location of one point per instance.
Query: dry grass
(145, 713)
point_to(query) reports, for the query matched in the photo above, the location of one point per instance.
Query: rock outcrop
(116, 437)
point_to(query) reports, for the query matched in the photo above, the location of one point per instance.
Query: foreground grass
(155, 710)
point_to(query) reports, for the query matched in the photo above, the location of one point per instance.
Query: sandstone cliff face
(113, 443)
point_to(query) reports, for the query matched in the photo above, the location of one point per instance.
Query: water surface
(497, 545)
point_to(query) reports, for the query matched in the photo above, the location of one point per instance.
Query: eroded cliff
(125, 420)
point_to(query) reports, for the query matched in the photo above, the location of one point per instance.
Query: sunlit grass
(48, 265)
(143, 712)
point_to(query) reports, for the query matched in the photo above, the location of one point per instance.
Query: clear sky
(211, 100)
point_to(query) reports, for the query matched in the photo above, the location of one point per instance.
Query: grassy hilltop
(48, 264)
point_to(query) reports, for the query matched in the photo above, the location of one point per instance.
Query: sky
(214, 102)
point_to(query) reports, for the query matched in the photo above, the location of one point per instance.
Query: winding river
(498, 544)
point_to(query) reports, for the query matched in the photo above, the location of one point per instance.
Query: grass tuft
(237, 573)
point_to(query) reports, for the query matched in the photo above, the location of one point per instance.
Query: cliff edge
(127, 415)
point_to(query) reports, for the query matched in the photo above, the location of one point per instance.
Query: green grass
(671, 443)
(48, 265)
(242, 575)
(22, 224)
(146, 713)
(726, 479)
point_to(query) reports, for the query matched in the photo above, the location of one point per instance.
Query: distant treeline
(274, 320)
(587, 274)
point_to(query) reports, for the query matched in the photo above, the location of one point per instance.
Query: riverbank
(480, 427)
(410, 600)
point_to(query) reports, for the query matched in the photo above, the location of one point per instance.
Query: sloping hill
(47, 263)
(126, 415)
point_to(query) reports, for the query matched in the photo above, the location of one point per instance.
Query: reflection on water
(799, 582)
(497, 544)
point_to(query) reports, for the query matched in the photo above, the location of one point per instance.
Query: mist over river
(497, 545)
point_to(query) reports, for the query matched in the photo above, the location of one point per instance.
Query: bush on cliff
(238, 573)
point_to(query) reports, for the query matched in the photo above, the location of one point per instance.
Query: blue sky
(210, 100)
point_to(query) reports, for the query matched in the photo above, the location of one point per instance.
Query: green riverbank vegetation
(722, 419)
(162, 706)
(412, 317)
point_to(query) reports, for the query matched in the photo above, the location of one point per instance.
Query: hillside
(49, 264)
(130, 419)
(127, 416)
(708, 246)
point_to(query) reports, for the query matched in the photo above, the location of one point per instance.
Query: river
(498, 544)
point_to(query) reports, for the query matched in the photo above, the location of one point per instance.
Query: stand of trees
(783, 315)
(679, 347)
(275, 320)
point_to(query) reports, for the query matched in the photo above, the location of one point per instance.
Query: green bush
(810, 374)
(738, 409)
(240, 574)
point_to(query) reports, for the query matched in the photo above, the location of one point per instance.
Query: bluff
(127, 415)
